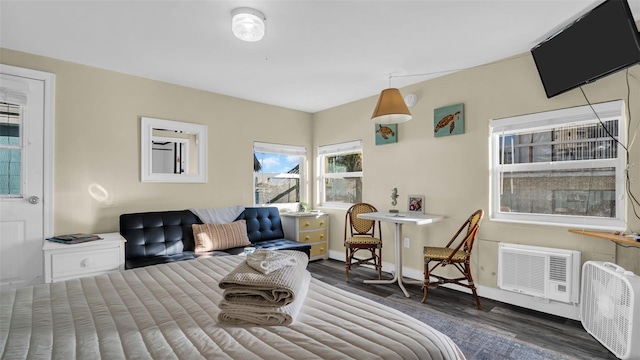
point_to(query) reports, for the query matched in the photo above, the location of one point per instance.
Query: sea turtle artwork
(385, 132)
(448, 120)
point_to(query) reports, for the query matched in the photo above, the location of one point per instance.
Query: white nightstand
(310, 228)
(64, 262)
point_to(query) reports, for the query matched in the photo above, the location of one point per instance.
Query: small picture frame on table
(415, 204)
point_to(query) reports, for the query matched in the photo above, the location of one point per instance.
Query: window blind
(279, 149)
(340, 148)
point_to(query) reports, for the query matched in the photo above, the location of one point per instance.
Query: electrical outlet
(407, 242)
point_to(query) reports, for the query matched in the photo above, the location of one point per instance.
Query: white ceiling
(316, 55)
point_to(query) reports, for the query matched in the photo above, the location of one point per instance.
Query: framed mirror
(173, 151)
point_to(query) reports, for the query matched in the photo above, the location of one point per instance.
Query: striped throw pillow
(209, 237)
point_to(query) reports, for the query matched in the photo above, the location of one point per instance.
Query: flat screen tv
(600, 42)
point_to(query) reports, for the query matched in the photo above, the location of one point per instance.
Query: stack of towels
(268, 288)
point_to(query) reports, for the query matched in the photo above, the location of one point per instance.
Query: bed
(169, 311)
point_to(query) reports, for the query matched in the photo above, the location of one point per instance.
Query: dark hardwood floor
(552, 332)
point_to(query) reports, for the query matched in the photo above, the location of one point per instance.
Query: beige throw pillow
(209, 237)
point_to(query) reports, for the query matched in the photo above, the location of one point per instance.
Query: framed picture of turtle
(386, 134)
(448, 120)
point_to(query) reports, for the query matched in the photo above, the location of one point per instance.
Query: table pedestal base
(397, 277)
(399, 281)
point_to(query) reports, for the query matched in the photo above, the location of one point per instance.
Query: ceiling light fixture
(391, 108)
(248, 24)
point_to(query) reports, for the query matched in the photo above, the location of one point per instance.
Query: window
(563, 167)
(277, 173)
(340, 169)
(10, 150)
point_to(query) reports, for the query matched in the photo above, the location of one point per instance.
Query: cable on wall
(634, 200)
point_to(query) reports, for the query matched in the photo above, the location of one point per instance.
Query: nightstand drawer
(308, 228)
(85, 262)
(312, 223)
(65, 261)
(318, 250)
(313, 236)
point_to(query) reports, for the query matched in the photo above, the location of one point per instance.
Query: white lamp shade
(248, 24)
(391, 108)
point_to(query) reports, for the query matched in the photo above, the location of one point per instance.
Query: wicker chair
(360, 234)
(454, 253)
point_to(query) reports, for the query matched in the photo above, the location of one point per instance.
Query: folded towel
(245, 285)
(238, 314)
(219, 215)
(268, 261)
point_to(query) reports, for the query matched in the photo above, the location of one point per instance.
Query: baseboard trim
(569, 311)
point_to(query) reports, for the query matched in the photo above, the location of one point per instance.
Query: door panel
(21, 180)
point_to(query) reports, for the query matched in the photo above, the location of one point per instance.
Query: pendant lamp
(391, 108)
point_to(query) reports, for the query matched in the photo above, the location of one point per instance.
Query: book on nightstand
(74, 238)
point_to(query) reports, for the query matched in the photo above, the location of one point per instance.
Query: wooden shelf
(621, 239)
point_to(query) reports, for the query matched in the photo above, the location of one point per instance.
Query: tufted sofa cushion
(263, 223)
(162, 234)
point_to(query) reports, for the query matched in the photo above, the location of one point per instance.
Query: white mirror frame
(146, 129)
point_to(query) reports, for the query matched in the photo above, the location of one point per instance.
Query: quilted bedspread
(170, 311)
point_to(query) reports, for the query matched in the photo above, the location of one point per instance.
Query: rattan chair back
(361, 226)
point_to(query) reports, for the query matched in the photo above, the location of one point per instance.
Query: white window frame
(284, 150)
(332, 150)
(571, 116)
(19, 121)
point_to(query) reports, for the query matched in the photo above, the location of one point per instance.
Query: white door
(23, 220)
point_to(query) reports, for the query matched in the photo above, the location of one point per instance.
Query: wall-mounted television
(600, 42)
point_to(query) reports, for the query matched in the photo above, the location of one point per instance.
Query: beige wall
(453, 172)
(97, 143)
